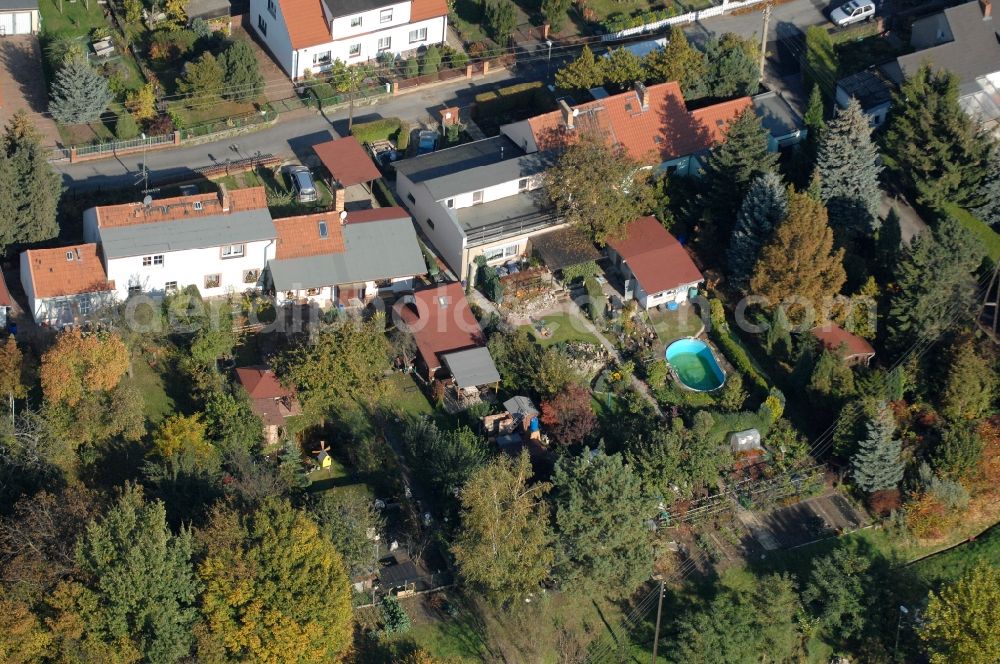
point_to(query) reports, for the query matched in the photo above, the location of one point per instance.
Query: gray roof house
(480, 198)
(783, 123)
(344, 258)
(963, 40)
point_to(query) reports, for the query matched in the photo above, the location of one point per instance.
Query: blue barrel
(693, 293)
(672, 305)
(534, 424)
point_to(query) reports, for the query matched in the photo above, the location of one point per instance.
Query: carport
(18, 17)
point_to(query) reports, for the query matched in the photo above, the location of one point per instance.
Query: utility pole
(763, 38)
(659, 612)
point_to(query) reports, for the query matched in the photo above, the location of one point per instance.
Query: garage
(18, 17)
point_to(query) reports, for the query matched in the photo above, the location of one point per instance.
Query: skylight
(323, 233)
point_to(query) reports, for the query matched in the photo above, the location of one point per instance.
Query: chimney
(643, 94)
(567, 113)
(987, 9)
(339, 196)
(224, 197)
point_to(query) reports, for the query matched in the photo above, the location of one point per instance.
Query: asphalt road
(293, 137)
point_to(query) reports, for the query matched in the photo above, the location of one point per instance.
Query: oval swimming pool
(694, 365)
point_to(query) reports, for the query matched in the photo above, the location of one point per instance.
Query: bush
(596, 302)
(431, 61)
(619, 23)
(580, 271)
(322, 92)
(738, 357)
(533, 98)
(126, 128)
(394, 617)
(201, 28)
(411, 68)
(459, 60)
(377, 130)
(884, 502)
(403, 137)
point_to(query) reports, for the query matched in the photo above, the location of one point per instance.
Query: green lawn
(564, 327)
(153, 389)
(76, 18)
(953, 563)
(986, 236)
(408, 397)
(673, 325)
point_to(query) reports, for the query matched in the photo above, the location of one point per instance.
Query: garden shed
(471, 368)
(745, 441)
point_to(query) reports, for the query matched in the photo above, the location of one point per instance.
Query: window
(450, 203)
(499, 253)
(322, 59)
(197, 205)
(418, 35)
(261, 25)
(158, 260)
(312, 291)
(410, 197)
(232, 251)
(85, 307)
(385, 16)
(251, 276)
(213, 280)
(272, 8)
(170, 286)
(134, 288)
(384, 43)
(355, 50)
(152, 260)
(522, 184)
(69, 255)
(355, 21)
(477, 197)
(324, 232)
(430, 223)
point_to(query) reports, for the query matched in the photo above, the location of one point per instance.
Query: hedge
(403, 138)
(738, 357)
(383, 195)
(377, 130)
(595, 296)
(619, 23)
(524, 96)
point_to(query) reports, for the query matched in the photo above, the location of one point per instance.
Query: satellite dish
(147, 200)
(343, 215)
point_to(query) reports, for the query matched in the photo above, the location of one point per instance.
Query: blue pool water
(695, 365)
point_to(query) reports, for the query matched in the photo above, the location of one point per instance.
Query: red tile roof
(181, 207)
(5, 299)
(421, 10)
(347, 161)
(655, 256)
(299, 236)
(832, 336)
(306, 23)
(666, 130)
(53, 274)
(441, 321)
(261, 383)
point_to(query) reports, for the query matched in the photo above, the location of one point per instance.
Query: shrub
(201, 28)
(476, 49)
(596, 302)
(125, 127)
(884, 502)
(386, 59)
(580, 271)
(459, 60)
(619, 23)
(394, 617)
(377, 130)
(403, 136)
(656, 374)
(411, 68)
(431, 61)
(738, 357)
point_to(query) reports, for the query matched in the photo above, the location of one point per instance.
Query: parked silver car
(851, 12)
(303, 184)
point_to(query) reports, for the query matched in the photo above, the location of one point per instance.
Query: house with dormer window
(307, 36)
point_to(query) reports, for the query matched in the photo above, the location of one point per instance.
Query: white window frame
(356, 21)
(387, 41)
(151, 261)
(385, 16)
(84, 306)
(478, 196)
(158, 260)
(213, 277)
(354, 50)
(170, 287)
(232, 251)
(502, 252)
(524, 184)
(418, 35)
(322, 59)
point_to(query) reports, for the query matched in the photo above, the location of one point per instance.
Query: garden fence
(113, 147)
(682, 19)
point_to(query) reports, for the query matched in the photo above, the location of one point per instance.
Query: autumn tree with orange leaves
(79, 365)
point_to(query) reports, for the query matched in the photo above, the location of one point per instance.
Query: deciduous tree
(141, 103)
(275, 589)
(799, 260)
(599, 187)
(837, 591)
(79, 93)
(569, 416)
(961, 619)
(848, 165)
(349, 520)
(504, 547)
(78, 365)
(11, 366)
(764, 206)
(602, 541)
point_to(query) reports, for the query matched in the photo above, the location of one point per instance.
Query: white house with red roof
(66, 284)
(307, 36)
(657, 267)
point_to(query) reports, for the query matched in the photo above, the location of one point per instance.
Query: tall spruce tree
(29, 186)
(848, 167)
(877, 465)
(799, 261)
(934, 148)
(602, 541)
(765, 205)
(988, 205)
(243, 80)
(678, 61)
(888, 246)
(79, 94)
(729, 169)
(935, 284)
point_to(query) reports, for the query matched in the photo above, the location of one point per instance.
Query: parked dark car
(303, 184)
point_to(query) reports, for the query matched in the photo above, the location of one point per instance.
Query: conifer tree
(79, 94)
(29, 186)
(877, 466)
(678, 61)
(290, 468)
(813, 118)
(888, 246)
(931, 144)
(935, 284)
(848, 167)
(243, 79)
(800, 260)
(729, 169)
(779, 335)
(988, 208)
(582, 74)
(765, 205)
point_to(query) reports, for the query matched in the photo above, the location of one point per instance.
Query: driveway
(22, 85)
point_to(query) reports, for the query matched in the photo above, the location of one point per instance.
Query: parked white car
(851, 12)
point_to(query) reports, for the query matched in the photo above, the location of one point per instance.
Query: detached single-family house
(478, 199)
(344, 258)
(270, 400)
(307, 36)
(964, 40)
(873, 88)
(448, 337)
(19, 17)
(784, 124)
(855, 349)
(656, 268)
(217, 242)
(652, 123)
(65, 285)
